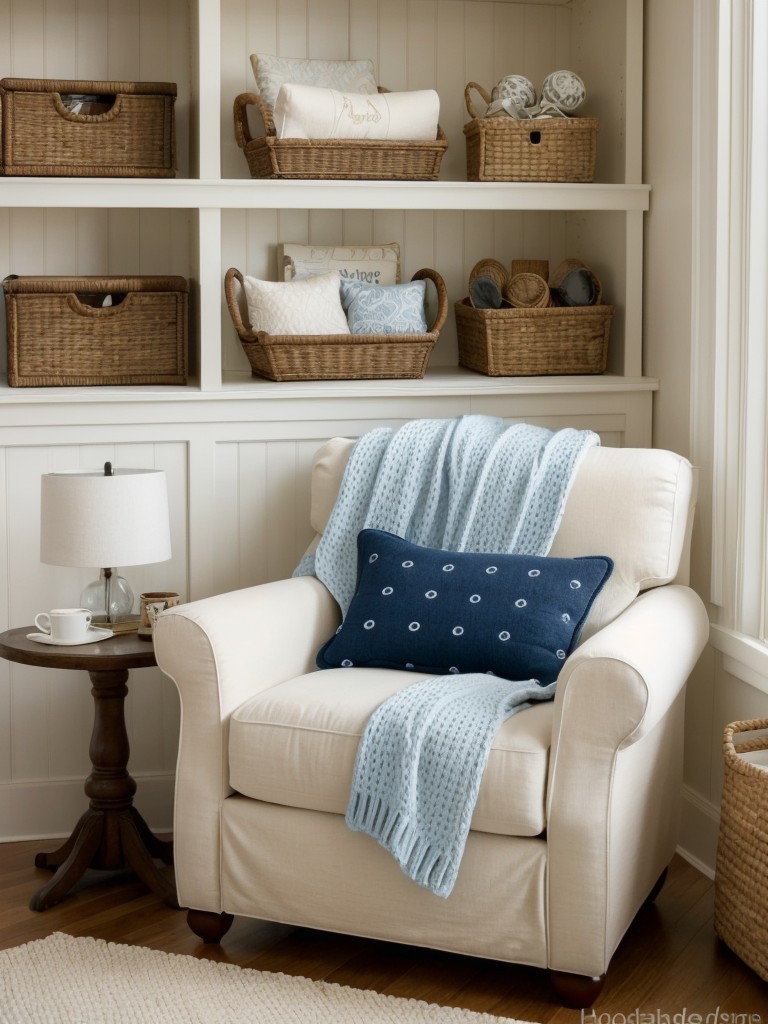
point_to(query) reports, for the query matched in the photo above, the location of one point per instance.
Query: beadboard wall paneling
(111, 40)
(414, 44)
(238, 456)
(239, 502)
(262, 503)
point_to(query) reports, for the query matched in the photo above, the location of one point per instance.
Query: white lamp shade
(92, 520)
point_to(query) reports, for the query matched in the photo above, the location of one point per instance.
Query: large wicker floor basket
(133, 137)
(61, 334)
(529, 342)
(741, 875)
(336, 356)
(270, 157)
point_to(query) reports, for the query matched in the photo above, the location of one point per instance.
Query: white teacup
(64, 623)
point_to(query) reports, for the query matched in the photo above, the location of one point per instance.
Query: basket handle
(442, 296)
(98, 311)
(244, 330)
(109, 115)
(468, 97)
(753, 725)
(240, 112)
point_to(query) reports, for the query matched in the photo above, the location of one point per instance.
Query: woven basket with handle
(336, 356)
(60, 334)
(134, 138)
(270, 157)
(504, 148)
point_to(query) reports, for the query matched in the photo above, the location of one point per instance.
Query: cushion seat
(295, 744)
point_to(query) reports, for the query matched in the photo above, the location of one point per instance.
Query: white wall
(675, 337)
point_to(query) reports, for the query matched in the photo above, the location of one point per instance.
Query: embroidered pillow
(310, 306)
(417, 608)
(272, 72)
(312, 112)
(384, 309)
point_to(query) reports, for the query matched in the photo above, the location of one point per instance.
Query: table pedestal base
(106, 841)
(111, 835)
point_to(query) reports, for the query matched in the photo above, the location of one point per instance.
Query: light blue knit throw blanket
(467, 484)
(419, 766)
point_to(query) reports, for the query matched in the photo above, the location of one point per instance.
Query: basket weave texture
(374, 160)
(544, 149)
(337, 356)
(533, 341)
(55, 339)
(135, 138)
(741, 870)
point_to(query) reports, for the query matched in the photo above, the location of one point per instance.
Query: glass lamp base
(109, 598)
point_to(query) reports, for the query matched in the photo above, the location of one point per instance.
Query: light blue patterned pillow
(384, 309)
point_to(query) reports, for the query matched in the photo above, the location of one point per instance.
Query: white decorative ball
(516, 88)
(565, 89)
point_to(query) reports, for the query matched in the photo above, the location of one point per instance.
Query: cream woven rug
(67, 980)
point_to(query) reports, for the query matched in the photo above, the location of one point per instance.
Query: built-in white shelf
(438, 380)
(190, 193)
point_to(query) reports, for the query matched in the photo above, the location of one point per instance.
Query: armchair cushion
(425, 610)
(295, 744)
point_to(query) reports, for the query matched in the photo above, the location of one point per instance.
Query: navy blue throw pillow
(417, 608)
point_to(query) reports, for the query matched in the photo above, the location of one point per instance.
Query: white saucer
(91, 637)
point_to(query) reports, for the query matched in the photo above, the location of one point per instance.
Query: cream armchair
(577, 813)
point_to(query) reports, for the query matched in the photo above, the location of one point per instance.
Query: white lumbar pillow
(308, 306)
(271, 72)
(311, 112)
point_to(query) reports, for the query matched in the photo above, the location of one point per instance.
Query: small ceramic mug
(65, 624)
(150, 606)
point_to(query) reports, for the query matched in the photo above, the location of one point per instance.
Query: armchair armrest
(616, 770)
(219, 651)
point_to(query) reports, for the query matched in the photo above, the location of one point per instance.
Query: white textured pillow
(309, 306)
(271, 72)
(311, 112)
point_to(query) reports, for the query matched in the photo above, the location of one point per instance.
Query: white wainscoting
(239, 503)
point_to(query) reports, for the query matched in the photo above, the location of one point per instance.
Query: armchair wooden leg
(577, 991)
(208, 926)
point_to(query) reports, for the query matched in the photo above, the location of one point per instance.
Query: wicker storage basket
(270, 157)
(545, 149)
(56, 338)
(337, 356)
(533, 341)
(741, 872)
(134, 138)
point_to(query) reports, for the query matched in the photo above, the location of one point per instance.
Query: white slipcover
(577, 813)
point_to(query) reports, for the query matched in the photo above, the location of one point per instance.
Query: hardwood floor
(669, 967)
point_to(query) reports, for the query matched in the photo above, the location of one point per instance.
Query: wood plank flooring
(669, 967)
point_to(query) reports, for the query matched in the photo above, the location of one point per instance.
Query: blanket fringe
(417, 856)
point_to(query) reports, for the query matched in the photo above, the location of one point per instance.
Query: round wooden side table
(111, 834)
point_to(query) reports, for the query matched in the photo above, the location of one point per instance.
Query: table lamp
(107, 519)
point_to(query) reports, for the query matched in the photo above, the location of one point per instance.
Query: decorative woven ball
(516, 88)
(565, 89)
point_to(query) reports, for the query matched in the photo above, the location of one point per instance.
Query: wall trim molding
(58, 803)
(743, 656)
(699, 828)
